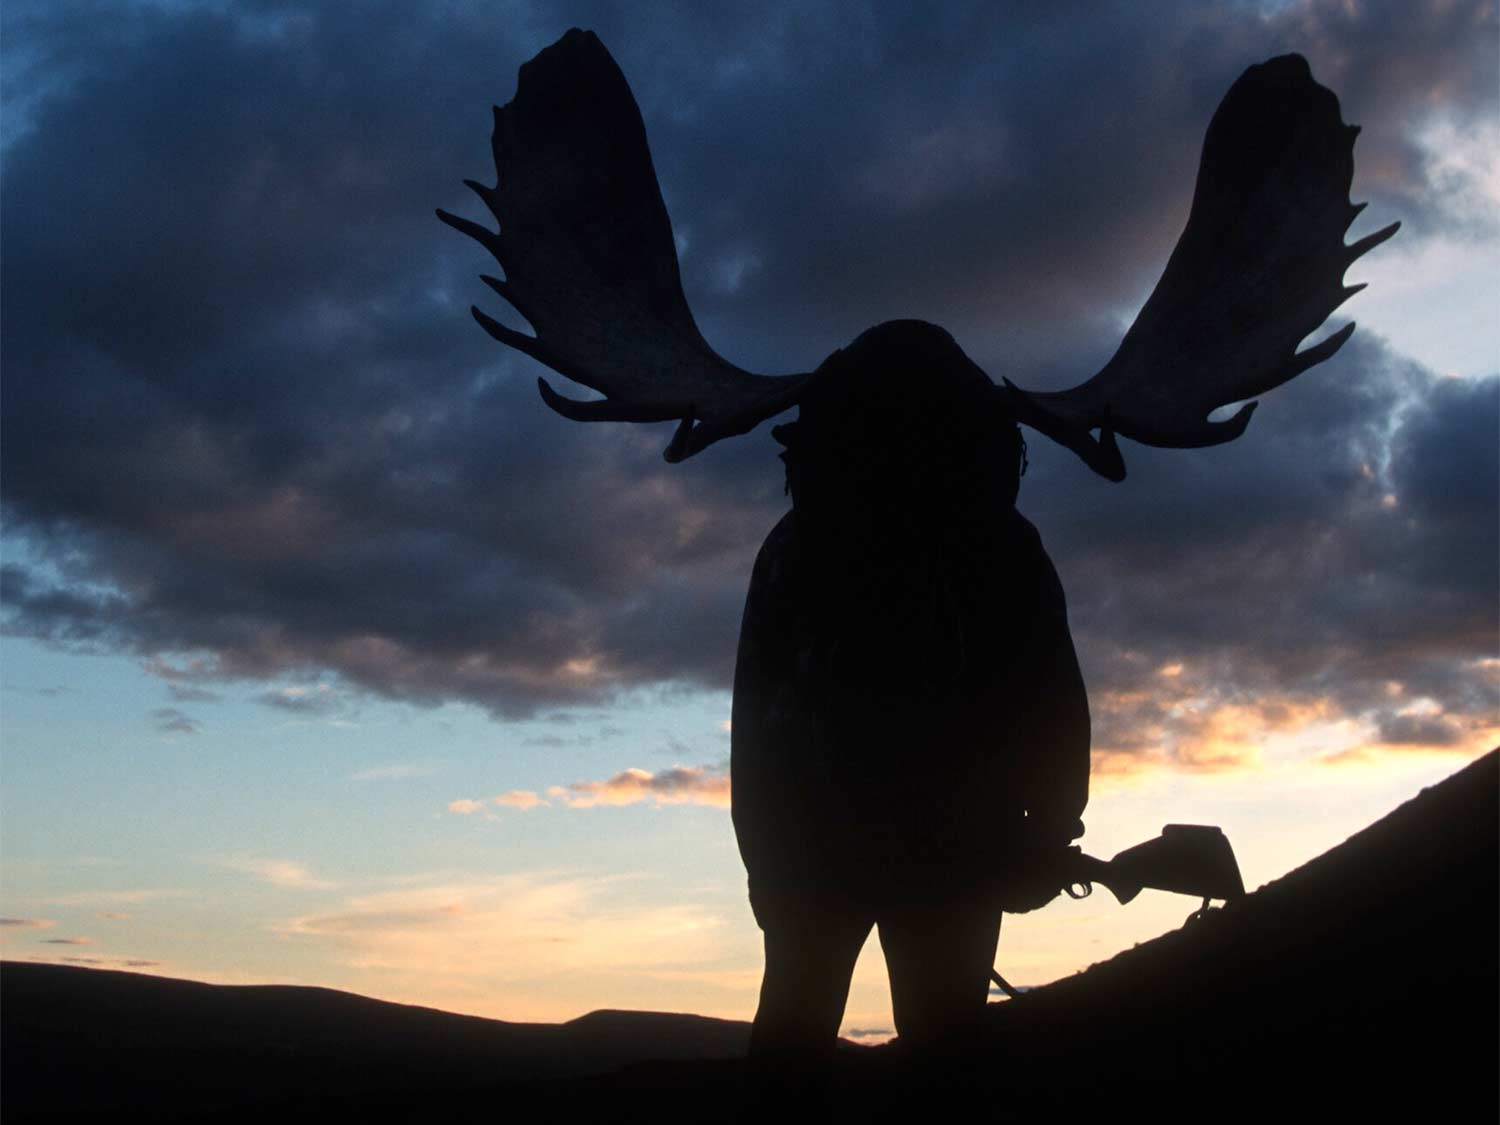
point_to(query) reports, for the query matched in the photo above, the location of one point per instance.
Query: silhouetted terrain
(1366, 980)
(1362, 986)
(88, 1039)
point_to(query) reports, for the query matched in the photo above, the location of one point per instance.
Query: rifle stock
(1191, 859)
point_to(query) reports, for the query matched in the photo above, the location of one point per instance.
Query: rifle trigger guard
(1079, 890)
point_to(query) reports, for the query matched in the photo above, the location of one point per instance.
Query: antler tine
(599, 410)
(487, 195)
(509, 336)
(589, 260)
(1259, 266)
(1357, 250)
(480, 234)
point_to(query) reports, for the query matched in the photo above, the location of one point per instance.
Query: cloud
(115, 915)
(316, 700)
(169, 720)
(680, 785)
(280, 873)
(67, 941)
(123, 962)
(274, 446)
(1338, 564)
(1417, 729)
(186, 693)
(519, 799)
(27, 923)
(511, 927)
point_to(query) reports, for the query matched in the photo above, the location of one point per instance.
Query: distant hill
(1362, 986)
(86, 1041)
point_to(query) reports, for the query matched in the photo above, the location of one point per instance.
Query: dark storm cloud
(1419, 730)
(1345, 550)
(250, 430)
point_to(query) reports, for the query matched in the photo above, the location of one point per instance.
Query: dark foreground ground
(1362, 987)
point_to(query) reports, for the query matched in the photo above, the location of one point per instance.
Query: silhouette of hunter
(910, 729)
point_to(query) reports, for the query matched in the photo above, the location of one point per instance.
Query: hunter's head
(902, 417)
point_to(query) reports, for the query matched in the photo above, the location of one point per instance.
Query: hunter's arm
(1058, 729)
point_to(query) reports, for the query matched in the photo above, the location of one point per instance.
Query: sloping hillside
(1370, 976)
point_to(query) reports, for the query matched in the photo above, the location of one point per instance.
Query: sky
(332, 657)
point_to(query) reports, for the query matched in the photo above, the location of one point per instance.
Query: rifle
(1189, 859)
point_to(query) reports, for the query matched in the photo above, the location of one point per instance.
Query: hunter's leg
(810, 955)
(939, 956)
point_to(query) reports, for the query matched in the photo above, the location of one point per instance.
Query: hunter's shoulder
(1022, 530)
(778, 551)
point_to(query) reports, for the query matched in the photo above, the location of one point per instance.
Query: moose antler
(1259, 266)
(589, 259)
